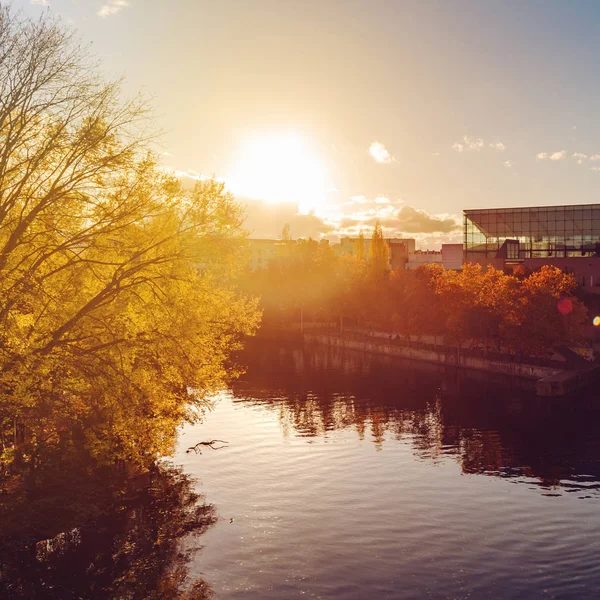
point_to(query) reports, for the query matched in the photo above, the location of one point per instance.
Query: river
(348, 477)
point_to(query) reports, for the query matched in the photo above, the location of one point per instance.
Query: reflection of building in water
(298, 358)
(486, 426)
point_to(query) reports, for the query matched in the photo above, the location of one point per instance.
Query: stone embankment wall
(453, 359)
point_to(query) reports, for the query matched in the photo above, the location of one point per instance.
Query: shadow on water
(69, 531)
(490, 425)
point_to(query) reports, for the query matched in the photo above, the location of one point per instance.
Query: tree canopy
(531, 312)
(379, 252)
(119, 306)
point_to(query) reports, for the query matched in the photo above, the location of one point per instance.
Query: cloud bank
(266, 220)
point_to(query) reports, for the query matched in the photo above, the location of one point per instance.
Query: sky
(332, 114)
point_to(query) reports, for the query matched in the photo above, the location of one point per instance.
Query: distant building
(452, 256)
(403, 254)
(400, 249)
(263, 251)
(420, 258)
(565, 236)
(449, 257)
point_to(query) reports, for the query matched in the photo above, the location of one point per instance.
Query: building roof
(535, 221)
(559, 207)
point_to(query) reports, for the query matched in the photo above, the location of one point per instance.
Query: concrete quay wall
(452, 359)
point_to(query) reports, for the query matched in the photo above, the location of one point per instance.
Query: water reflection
(73, 531)
(480, 421)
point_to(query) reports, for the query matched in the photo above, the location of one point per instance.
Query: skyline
(406, 112)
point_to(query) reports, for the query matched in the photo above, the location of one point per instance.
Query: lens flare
(596, 321)
(565, 306)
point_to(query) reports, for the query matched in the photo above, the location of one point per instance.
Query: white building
(450, 257)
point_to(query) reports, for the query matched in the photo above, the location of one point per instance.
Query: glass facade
(540, 232)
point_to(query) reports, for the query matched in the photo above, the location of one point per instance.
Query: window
(512, 249)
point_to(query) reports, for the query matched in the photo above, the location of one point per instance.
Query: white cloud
(508, 164)
(595, 157)
(552, 155)
(579, 157)
(595, 168)
(476, 144)
(358, 200)
(40, 2)
(468, 144)
(112, 7)
(380, 153)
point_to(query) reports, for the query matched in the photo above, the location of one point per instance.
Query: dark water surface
(350, 477)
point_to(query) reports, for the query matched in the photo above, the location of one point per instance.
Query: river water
(349, 477)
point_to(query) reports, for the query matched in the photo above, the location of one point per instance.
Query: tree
(379, 253)
(551, 315)
(477, 303)
(118, 302)
(285, 233)
(483, 306)
(359, 247)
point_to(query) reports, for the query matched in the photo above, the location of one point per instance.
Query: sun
(281, 168)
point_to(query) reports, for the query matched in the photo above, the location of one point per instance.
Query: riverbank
(551, 381)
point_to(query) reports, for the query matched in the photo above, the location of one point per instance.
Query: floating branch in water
(198, 447)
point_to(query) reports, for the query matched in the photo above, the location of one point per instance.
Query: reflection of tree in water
(489, 427)
(69, 531)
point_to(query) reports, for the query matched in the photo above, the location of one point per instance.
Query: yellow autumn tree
(118, 302)
(379, 252)
(359, 247)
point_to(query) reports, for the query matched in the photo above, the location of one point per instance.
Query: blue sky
(476, 103)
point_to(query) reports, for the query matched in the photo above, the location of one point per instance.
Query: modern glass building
(533, 232)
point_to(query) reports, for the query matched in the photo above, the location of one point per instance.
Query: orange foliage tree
(477, 307)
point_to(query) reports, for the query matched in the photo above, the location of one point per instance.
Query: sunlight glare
(281, 168)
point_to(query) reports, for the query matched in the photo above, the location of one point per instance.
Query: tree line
(523, 312)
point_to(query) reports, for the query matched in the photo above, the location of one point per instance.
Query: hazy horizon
(336, 114)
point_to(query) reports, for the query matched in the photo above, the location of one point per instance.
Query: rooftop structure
(532, 232)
